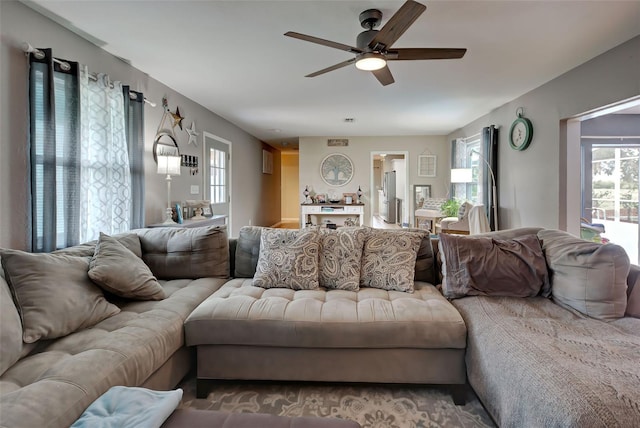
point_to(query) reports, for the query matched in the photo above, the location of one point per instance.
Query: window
(84, 136)
(218, 176)
(467, 156)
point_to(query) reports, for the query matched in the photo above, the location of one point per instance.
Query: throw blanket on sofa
(123, 407)
(533, 363)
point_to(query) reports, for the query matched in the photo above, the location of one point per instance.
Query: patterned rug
(376, 406)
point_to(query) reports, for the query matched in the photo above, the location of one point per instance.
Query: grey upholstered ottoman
(213, 419)
(370, 335)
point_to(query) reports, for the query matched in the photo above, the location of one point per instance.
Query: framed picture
(321, 198)
(336, 169)
(349, 198)
(207, 211)
(421, 193)
(427, 166)
(267, 162)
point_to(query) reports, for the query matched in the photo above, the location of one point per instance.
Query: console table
(216, 220)
(309, 211)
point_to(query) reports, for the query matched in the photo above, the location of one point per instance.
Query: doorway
(610, 178)
(217, 174)
(290, 193)
(389, 184)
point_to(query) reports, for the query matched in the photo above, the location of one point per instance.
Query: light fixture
(370, 61)
(169, 165)
(461, 175)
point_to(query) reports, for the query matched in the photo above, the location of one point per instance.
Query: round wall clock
(521, 133)
(336, 169)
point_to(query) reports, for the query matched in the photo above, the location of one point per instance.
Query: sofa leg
(203, 386)
(459, 394)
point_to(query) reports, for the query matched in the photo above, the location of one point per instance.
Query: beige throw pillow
(389, 259)
(288, 259)
(340, 257)
(485, 266)
(53, 294)
(119, 271)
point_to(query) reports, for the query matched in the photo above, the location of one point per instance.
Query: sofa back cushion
(186, 253)
(130, 240)
(486, 266)
(11, 331)
(247, 251)
(588, 277)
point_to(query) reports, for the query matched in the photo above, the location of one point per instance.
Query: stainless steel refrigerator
(388, 213)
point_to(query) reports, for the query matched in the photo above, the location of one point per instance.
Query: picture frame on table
(321, 198)
(207, 211)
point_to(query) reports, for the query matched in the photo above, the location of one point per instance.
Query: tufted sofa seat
(369, 335)
(241, 314)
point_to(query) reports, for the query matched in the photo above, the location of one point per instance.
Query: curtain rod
(27, 48)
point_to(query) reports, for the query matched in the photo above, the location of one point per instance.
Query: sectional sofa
(548, 359)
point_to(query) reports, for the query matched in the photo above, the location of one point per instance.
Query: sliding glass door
(610, 177)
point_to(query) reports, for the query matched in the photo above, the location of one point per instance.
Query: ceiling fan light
(370, 61)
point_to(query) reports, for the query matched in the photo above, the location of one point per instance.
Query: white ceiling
(232, 57)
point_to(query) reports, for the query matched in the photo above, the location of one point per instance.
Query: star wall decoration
(193, 135)
(177, 118)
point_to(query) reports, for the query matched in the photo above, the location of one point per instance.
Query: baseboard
(278, 224)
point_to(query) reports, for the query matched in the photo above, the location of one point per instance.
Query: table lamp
(169, 165)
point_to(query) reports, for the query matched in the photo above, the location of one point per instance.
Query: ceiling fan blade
(333, 67)
(397, 25)
(424, 53)
(322, 42)
(384, 76)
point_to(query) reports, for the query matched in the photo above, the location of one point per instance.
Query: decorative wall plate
(336, 169)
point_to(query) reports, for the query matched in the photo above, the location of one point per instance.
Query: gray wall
(539, 186)
(314, 149)
(20, 24)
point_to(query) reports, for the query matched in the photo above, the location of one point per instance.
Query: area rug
(375, 406)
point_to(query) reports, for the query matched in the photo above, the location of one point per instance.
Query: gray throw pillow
(340, 257)
(288, 259)
(53, 294)
(586, 276)
(485, 266)
(389, 259)
(11, 328)
(117, 270)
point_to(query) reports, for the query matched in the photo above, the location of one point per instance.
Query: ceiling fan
(374, 46)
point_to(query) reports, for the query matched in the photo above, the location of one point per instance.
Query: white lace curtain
(104, 158)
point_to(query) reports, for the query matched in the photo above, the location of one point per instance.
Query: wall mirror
(421, 192)
(165, 145)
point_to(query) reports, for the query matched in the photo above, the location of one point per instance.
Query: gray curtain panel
(54, 153)
(490, 150)
(134, 107)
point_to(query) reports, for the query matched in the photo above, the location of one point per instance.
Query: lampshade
(370, 61)
(461, 175)
(169, 165)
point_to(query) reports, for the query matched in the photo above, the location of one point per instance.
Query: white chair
(471, 220)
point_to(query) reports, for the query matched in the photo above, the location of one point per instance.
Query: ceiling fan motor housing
(370, 18)
(364, 38)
